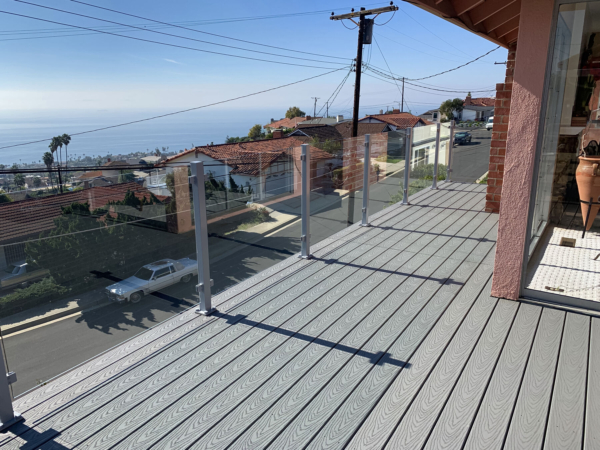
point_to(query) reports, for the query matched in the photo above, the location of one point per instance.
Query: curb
(478, 180)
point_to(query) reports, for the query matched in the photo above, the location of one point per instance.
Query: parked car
(462, 137)
(20, 274)
(151, 278)
(490, 124)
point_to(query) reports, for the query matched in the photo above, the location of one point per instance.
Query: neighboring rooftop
(479, 101)
(23, 218)
(400, 120)
(286, 123)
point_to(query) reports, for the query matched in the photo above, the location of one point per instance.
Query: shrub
(36, 293)
(425, 172)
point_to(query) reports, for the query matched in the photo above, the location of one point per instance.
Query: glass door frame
(530, 247)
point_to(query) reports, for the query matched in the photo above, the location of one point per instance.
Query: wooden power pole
(365, 33)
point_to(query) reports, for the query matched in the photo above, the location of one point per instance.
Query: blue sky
(95, 72)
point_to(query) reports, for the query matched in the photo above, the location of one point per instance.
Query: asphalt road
(470, 161)
(40, 353)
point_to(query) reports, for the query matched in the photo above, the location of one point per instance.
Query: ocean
(176, 132)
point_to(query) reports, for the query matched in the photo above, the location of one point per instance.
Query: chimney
(308, 118)
(468, 99)
(277, 134)
(395, 111)
(339, 118)
(108, 160)
(272, 120)
(381, 111)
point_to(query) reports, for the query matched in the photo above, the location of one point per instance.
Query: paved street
(470, 161)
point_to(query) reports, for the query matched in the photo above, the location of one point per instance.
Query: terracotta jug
(588, 183)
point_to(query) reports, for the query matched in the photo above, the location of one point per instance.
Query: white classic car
(20, 274)
(153, 277)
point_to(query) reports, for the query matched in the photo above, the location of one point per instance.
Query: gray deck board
(453, 424)
(531, 411)
(592, 419)
(491, 424)
(388, 338)
(565, 423)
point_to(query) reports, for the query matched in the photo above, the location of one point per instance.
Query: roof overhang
(494, 20)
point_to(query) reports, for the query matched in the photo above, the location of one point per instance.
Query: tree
(37, 182)
(19, 180)
(48, 159)
(255, 132)
(66, 140)
(294, 111)
(4, 198)
(449, 106)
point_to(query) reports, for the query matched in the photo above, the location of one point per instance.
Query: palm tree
(66, 140)
(55, 144)
(48, 161)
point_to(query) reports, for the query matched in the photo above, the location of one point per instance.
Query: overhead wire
(206, 32)
(173, 35)
(167, 44)
(181, 111)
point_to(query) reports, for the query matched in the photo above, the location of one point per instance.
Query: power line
(206, 32)
(388, 66)
(173, 35)
(179, 112)
(164, 43)
(456, 68)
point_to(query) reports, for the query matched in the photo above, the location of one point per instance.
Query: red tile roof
(246, 157)
(34, 215)
(400, 120)
(481, 101)
(88, 175)
(286, 123)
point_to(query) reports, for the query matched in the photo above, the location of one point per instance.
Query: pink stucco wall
(528, 86)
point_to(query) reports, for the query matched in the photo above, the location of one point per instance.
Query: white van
(490, 123)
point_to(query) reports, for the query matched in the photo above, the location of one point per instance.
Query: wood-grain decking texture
(387, 338)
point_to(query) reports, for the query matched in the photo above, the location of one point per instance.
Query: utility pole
(327, 110)
(365, 35)
(315, 108)
(402, 109)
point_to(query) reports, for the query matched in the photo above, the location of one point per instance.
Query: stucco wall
(526, 101)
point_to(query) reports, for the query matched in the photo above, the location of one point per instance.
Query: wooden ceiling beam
(503, 16)
(512, 36)
(488, 9)
(463, 6)
(509, 26)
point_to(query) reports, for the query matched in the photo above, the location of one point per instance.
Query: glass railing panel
(253, 213)
(93, 267)
(387, 153)
(335, 186)
(422, 160)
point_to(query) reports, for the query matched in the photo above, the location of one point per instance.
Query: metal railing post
(8, 416)
(305, 202)
(204, 281)
(407, 156)
(367, 166)
(436, 158)
(450, 151)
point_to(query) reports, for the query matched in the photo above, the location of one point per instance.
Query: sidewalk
(52, 310)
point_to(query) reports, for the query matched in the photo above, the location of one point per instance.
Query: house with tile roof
(265, 167)
(285, 123)
(396, 120)
(481, 108)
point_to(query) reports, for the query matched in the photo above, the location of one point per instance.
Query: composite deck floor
(387, 338)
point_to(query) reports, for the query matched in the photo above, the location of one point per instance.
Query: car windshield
(11, 268)
(144, 274)
(491, 120)
(461, 134)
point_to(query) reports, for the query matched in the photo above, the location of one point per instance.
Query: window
(162, 272)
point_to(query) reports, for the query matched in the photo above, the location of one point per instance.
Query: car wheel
(136, 297)
(186, 278)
